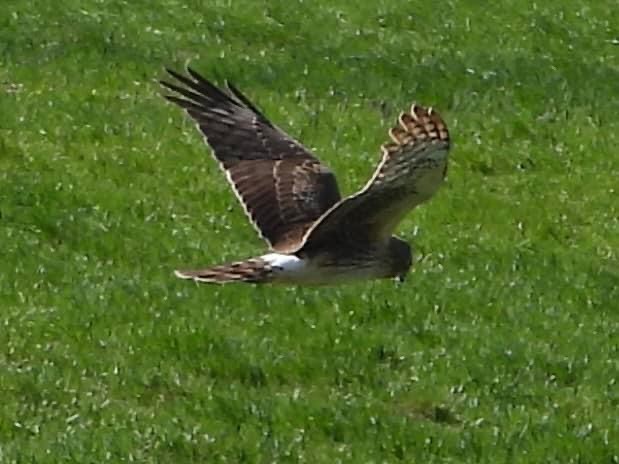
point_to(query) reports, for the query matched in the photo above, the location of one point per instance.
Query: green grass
(503, 345)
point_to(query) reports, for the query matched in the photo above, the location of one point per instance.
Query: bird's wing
(412, 168)
(282, 186)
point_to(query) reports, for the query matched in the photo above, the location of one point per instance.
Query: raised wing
(412, 168)
(283, 188)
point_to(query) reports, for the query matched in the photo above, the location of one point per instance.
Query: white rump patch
(290, 269)
(284, 263)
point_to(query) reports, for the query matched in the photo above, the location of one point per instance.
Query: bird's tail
(254, 270)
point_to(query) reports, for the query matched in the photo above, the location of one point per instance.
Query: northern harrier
(292, 199)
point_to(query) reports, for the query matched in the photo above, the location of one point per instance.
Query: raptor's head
(400, 258)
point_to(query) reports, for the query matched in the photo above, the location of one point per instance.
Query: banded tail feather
(254, 270)
(268, 268)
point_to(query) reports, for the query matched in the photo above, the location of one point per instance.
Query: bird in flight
(314, 235)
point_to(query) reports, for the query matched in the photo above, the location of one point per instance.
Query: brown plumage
(282, 186)
(293, 199)
(253, 270)
(412, 168)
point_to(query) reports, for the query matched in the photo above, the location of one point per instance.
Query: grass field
(502, 346)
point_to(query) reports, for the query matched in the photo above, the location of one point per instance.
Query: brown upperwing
(282, 186)
(412, 167)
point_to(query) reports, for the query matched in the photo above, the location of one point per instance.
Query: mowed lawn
(501, 347)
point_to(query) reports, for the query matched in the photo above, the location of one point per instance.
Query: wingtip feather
(193, 73)
(175, 74)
